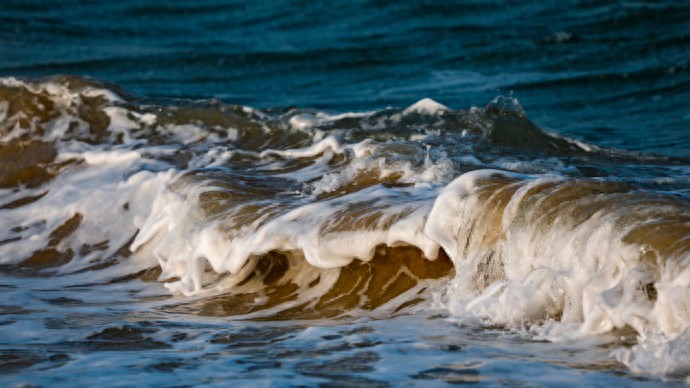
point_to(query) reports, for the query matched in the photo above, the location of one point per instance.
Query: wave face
(301, 215)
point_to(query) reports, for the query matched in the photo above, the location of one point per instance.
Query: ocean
(363, 193)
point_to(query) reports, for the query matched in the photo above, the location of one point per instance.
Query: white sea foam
(516, 264)
(108, 203)
(426, 106)
(328, 144)
(581, 273)
(305, 121)
(109, 95)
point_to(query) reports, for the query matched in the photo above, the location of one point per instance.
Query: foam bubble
(426, 106)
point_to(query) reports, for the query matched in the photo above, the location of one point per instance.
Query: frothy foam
(281, 208)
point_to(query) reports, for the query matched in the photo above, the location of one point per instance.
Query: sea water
(264, 193)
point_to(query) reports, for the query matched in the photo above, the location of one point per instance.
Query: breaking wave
(299, 214)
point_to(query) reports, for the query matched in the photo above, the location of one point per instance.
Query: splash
(293, 214)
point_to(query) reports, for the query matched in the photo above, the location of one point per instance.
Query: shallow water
(188, 225)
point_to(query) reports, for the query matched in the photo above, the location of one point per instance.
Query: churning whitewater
(298, 214)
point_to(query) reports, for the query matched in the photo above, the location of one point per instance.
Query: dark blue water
(611, 72)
